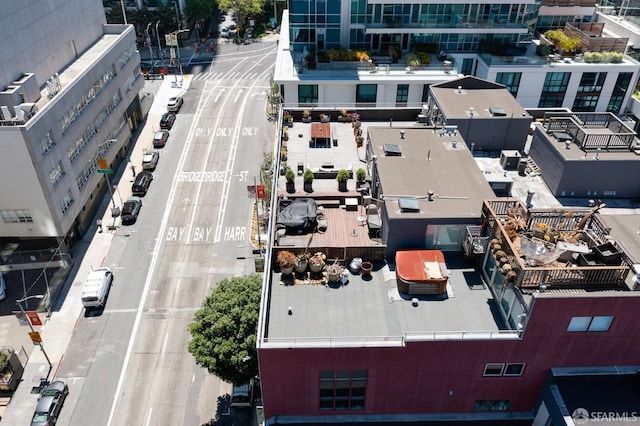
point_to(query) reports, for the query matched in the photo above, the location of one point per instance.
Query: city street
(129, 364)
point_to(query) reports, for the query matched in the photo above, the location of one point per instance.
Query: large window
(554, 89)
(511, 80)
(16, 215)
(601, 323)
(342, 389)
(308, 94)
(425, 93)
(402, 95)
(366, 93)
(589, 91)
(619, 92)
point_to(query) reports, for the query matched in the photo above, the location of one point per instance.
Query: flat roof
(457, 103)
(372, 310)
(428, 161)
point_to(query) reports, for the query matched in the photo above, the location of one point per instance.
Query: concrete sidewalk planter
(11, 370)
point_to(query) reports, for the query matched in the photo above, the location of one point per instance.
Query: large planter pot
(286, 270)
(308, 187)
(342, 186)
(315, 267)
(366, 268)
(301, 267)
(291, 187)
(306, 119)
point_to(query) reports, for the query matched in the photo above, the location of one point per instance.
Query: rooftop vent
(471, 112)
(459, 91)
(497, 112)
(408, 205)
(392, 150)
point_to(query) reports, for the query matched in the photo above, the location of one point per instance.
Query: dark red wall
(417, 378)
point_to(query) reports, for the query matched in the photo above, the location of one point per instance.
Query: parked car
(167, 120)
(131, 210)
(224, 32)
(141, 183)
(242, 395)
(150, 160)
(50, 403)
(175, 103)
(160, 138)
(97, 288)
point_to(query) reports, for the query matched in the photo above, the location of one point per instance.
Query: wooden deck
(345, 229)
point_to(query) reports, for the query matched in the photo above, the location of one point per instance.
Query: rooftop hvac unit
(509, 159)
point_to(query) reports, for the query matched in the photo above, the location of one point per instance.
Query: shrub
(361, 175)
(286, 259)
(342, 176)
(307, 177)
(290, 176)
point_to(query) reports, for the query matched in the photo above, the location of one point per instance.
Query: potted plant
(342, 177)
(361, 176)
(317, 262)
(359, 141)
(285, 134)
(290, 177)
(287, 119)
(324, 118)
(345, 116)
(302, 261)
(307, 178)
(306, 116)
(334, 272)
(286, 260)
(366, 268)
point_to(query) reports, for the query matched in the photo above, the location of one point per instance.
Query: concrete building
(495, 42)
(69, 96)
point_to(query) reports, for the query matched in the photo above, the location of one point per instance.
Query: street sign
(35, 337)
(105, 171)
(102, 163)
(34, 318)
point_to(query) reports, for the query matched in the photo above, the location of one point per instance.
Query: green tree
(247, 9)
(199, 9)
(224, 329)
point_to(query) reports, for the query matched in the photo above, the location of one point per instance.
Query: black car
(160, 138)
(141, 183)
(166, 122)
(49, 404)
(131, 210)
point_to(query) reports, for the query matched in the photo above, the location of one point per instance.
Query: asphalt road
(129, 364)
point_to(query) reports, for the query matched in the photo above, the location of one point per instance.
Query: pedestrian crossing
(238, 75)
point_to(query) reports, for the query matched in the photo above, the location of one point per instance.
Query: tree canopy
(199, 9)
(224, 329)
(247, 9)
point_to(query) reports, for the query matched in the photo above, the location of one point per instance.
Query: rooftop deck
(371, 311)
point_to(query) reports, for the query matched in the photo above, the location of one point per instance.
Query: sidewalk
(89, 253)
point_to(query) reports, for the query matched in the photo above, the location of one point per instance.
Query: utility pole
(150, 48)
(24, 315)
(159, 47)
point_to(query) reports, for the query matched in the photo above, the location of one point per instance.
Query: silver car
(150, 160)
(49, 404)
(175, 103)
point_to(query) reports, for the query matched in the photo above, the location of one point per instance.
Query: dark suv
(166, 122)
(142, 182)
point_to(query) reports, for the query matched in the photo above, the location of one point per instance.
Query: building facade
(495, 41)
(69, 97)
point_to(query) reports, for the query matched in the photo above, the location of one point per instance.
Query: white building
(68, 97)
(491, 40)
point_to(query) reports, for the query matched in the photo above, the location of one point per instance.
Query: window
(619, 92)
(553, 91)
(493, 369)
(511, 81)
(47, 143)
(492, 405)
(601, 323)
(342, 389)
(366, 93)
(402, 95)
(514, 369)
(16, 216)
(425, 93)
(308, 94)
(56, 174)
(67, 201)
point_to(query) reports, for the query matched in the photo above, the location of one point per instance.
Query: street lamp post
(150, 48)
(159, 47)
(124, 12)
(24, 314)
